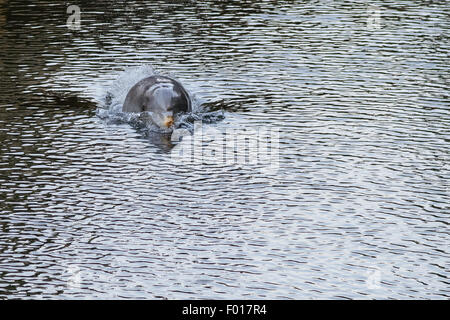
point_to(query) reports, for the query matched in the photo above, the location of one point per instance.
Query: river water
(353, 202)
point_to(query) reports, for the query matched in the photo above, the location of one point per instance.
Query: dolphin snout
(168, 121)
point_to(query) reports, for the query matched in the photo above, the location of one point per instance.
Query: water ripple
(358, 209)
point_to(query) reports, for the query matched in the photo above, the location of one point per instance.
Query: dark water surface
(359, 207)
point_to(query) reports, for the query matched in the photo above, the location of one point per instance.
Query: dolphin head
(161, 103)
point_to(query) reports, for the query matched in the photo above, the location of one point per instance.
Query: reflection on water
(359, 205)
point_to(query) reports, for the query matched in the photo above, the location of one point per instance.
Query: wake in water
(112, 98)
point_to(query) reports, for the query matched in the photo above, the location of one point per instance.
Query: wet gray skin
(162, 97)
